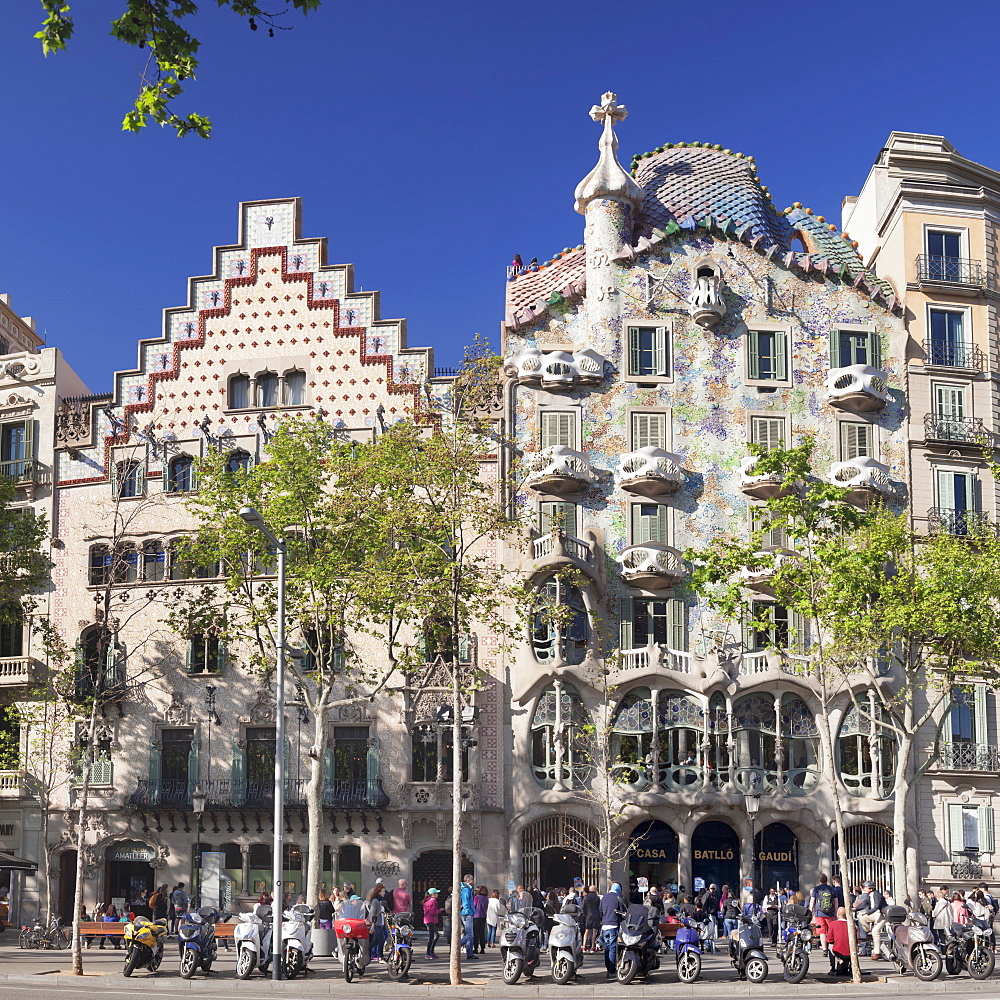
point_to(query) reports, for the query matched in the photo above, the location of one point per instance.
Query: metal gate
(869, 855)
(566, 832)
(432, 869)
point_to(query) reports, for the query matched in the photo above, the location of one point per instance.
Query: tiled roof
(533, 293)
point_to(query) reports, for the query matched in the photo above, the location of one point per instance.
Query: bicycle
(40, 938)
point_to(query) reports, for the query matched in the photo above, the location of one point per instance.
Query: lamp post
(751, 800)
(253, 518)
(198, 798)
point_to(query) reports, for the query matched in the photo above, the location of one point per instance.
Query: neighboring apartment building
(928, 219)
(694, 319)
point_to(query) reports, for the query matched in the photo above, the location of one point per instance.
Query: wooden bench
(97, 928)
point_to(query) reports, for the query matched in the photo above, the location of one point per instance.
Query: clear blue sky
(431, 141)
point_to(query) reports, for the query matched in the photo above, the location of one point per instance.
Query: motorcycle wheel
(293, 959)
(563, 971)
(981, 963)
(206, 966)
(189, 962)
(756, 970)
(244, 963)
(927, 965)
(131, 961)
(952, 963)
(627, 969)
(796, 967)
(393, 966)
(155, 960)
(406, 960)
(512, 969)
(689, 967)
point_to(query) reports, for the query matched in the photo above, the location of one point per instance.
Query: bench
(97, 928)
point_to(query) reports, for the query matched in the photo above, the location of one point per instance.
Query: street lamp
(198, 798)
(751, 800)
(253, 518)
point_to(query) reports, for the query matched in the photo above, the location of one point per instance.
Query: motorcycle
(143, 944)
(638, 945)
(796, 942)
(196, 937)
(520, 944)
(352, 945)
(687, 947)
(566, 943)
(398, 949)
(968, 946)
(746, 953)
(912, 944)
(296, 936)
(252, 936)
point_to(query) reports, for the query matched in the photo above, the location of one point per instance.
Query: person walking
(375, 916)
(179, 901)
(823, 903)
(480, 906)
(730, 912)
(771, 906)
(432, 917)
(495, 909)
(591, 919)
(467, 913)
(402, 901)
(612, 910)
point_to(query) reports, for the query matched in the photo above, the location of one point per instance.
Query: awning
(19, 864)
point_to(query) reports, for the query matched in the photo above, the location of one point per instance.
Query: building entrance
(557, 867)
(128, 871)
(715, 854)
(653, 856)
(776, 853)
(432, 870)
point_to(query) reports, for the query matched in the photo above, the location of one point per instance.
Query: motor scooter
(968, 946)
(398, 948)
(520, 944)
(911, 945)
(143, 944)
(746, 952)
(296, 937)
(795, 942)
(352, 944)
(638, 945)
(566, 943)
(687, 947)
(252, 935)
(196, 937)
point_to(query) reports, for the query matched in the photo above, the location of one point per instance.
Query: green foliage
(24, 568)
(156, 25)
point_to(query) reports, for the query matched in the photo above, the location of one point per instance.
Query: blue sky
(431, 141)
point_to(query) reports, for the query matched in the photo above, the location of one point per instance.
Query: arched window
(260, 856)
(267, 389)
(755, 728)
(295, 388)
(681, 720)
(558, 723)
(100, 564)
(98, 670)
(127, 480)
(632, 738)
(239, 392)
(126, 564)
(800, 746)
(238, 461)
(154, 561)
(178, 567)
(560, 627)
(180, 474)
(719, 761)
(866, 752)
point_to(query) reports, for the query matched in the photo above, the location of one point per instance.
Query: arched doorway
(869, 855)
(776, 853)
(715, 854)
(653, 855)
(127, 870)
(556, 846)
(432, 869)
(67, 885)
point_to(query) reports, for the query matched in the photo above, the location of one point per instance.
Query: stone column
(685, 875)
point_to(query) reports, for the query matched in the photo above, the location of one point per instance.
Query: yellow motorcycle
(144, 944)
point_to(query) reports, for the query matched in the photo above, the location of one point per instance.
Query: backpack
(824, 899)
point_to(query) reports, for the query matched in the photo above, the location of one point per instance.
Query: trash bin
(323, 942)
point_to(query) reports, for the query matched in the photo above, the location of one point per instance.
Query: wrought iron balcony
(341, 794)
(948, 355)
(162, 792)
(951, 521)
(21, 470)
(954, 270)
(962, 430)
(969, 757)
(966, 864)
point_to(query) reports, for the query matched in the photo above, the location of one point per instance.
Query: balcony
(761, 579)
(560, 471)
(857, 388)
(654, 657)
(651, 566)
(954, 430)
(969, 757)
(866, 479)
(762, 486)
(943, 354)
(966, 865)
(556, 371)
(14, 785)
(950, 271)
(17, 671)
(651, 472)
(174, 792)
(340, 794)
(559, 550)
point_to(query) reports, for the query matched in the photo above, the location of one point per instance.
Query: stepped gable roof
(533, 293)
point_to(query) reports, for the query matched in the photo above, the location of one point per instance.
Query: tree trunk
(455, 958)
(81, 839)
(314, 806)
(900, 818)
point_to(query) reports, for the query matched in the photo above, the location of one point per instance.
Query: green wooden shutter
(649, 523)
(753, 355)
(557, 513)
(193, 767)
(875, 349)
(111, 679)
(855, 441)
(626, 623)
(798, 629)
(956, 832)
(661, 361)
(781, 356)
(115, 483)
(987, 837)
(221, 656)
(678, 624)
(464, 646)
(749, 632)
(981, 721)
(373, 766)
(189, 655)
(101, 771)
(558, 427)
(153, 776)
(29, 447)
(835, 336)
(328, 778)
(634, 353)
(238, 774)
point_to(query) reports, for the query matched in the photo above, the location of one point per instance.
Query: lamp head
(198, 799)
(252, 517)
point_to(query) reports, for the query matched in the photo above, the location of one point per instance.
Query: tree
(172, 52)
(906, 618)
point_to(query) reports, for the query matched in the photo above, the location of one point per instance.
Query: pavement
(39, 974)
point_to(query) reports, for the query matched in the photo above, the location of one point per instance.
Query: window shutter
(946, 490)
(221, 656)
(634, 355)
(111, 678)
(558, 428)
(678, 625)
(189, 654)
(855, 441)
(464, 646)
(662, 360)
(874, 350)
(753, 355)
(835, 336)
(981, 721)
(987, 838)
(101, 771)
(372, 770)
(798, 627)
(193, 767)
(649, 430)
(553, 513)
(154, 776)
(288, 762)
(781, 356)
(956, 832)
(115, 481)
(238, 774)
(626, 626)
(29, 445)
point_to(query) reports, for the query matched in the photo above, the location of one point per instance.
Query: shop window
(559, 723)
(261, 856)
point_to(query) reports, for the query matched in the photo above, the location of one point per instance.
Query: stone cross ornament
(609, 108)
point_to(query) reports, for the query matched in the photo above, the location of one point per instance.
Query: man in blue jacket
(612, 910)
(466, 914)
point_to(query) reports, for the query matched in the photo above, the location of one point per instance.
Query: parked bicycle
(39, 937)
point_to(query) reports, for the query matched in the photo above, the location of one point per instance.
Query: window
(648, 352)
(153, 561)
(432, 754)
(944, 251)
(259, 758)
(98, 668)
(238, 461)
(856, 441)
(322, 652)
(649, 430)
(660, 623)
(854, 347)
(178, 567)
(947, 339)
(957, 501)
(558, 427)
(267, 389)
(295, 388)
(126, 564)
(949, 402)
(239, 392)
(127, 481)
(769, 627)
(649, 523)
(180, 474)
(755, 732)
(970, 830)
(11, 631)
(560, 623)
(16, 449)
(557, 729)
(767, 355)
(350, 754)
(205, 654)
(768, 432)
(968, 715)
(632, 736)
(866, 752)
(771, 537)
(554, 514)
(176, 759)
(100, 565)
(681, 722)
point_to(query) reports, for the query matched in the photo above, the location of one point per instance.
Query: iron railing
(966, 864)
(957, 270)
(964, 430)
(239, 792)
(20, 470)
(951, 521)
(949, 355)
(162, 792)
(969, 757)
